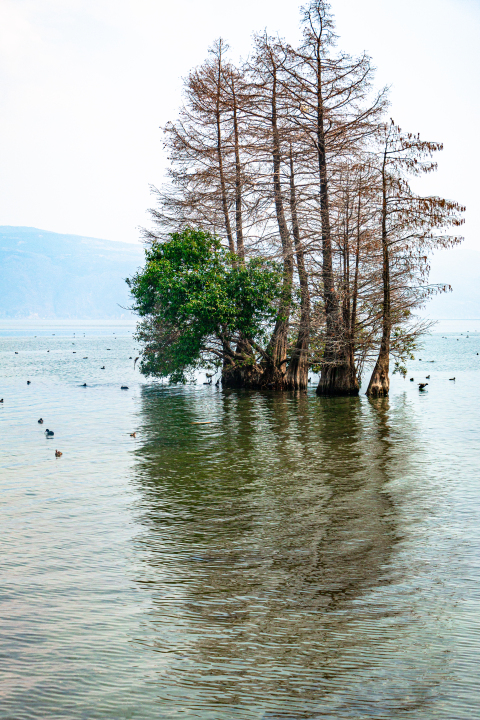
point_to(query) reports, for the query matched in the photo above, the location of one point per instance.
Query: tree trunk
(238, 180)
(243, 346)
(223, 191)
(352, 319)
(338, 375)
(379, 384)
(275, 367)
(240, 369)
(242, 375)
(297, 373)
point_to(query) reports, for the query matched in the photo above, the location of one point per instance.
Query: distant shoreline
(35, 322)
(14, 328)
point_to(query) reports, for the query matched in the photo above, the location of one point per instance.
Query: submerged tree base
(379, 385)
(339, 380)
(253, 377)
(264, 376)
(377, 391)
(245, 376)
(297, 374)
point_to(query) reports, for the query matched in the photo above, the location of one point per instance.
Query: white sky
(85, 85)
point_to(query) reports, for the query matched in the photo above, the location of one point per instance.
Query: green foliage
(194, 296)
(400, 369)
(403, 345)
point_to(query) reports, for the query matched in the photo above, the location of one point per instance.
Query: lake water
(247, 555)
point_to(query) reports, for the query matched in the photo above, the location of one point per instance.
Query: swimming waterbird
(49, 433)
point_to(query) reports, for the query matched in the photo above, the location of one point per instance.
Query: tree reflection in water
(271, 546)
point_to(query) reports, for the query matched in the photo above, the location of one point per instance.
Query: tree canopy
(289, 235)
(197, 300)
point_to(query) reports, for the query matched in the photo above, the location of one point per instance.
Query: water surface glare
(247, 556)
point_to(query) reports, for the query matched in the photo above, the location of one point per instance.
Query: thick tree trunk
(297, 372)
(275, 367)
(338, 380)
(243, 376)
(379, 384)
(240, 369)
(338, 376)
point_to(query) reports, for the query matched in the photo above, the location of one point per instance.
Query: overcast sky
(85, 85)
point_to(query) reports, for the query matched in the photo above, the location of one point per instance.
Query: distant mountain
(460, 268)
(47, 275)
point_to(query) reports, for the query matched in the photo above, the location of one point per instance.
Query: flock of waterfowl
(50, 433)
(423, 385)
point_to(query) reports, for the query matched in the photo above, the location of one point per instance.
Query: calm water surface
(247, 556)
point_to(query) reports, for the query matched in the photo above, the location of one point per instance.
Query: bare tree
(410, 226)
(287, 158)
(332, 91)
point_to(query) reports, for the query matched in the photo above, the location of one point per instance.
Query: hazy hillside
(48, 275)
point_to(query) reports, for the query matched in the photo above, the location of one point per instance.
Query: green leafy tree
(197, 301)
